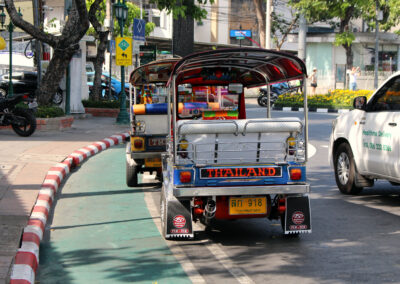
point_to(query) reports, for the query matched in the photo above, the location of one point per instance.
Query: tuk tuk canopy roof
(251, 67)
(153, 73)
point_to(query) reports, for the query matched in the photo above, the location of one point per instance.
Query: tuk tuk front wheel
(131, 175)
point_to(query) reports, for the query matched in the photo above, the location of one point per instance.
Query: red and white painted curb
(27, 258)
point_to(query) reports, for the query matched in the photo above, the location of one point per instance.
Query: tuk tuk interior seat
(237, 141)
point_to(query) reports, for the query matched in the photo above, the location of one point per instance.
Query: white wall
(202, 33)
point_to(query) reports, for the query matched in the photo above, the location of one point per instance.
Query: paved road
(354, 239)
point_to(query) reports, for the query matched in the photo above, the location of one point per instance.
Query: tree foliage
(64, 45)
(181, 8)
(97, 18)
(281, 25)
(339, 14)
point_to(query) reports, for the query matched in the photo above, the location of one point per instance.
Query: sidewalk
(24, 162)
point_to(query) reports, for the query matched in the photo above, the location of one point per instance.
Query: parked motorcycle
(276, 91)
(22, 120)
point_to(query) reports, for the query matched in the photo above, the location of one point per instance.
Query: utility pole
(268, 25)
(302, 37)
(376, 65)
(36, 19)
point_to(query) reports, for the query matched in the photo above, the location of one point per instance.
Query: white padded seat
(237, 141)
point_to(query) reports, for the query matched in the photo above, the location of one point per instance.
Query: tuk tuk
(148, 119)
(218, 164)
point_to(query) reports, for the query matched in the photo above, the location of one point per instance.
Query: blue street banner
(139, 28)
(240, 34)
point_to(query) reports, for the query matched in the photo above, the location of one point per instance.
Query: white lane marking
(178, 253)
(224, 259)
(324, 146)
(311, 150)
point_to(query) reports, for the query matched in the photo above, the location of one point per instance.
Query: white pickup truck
(364, 144)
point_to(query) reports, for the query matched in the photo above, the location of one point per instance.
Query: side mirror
(360, 102)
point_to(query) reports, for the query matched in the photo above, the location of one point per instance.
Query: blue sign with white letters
(240, 34)
(139, 28)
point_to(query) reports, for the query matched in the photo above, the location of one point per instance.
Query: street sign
(147, 53)
(136, 46)
(139, 28)
(111, 46)
(240, 34)
(124, 51)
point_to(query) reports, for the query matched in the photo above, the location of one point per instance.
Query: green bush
(335, 99)
(49, 111)
(102, 104)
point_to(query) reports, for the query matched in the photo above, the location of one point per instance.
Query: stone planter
(55, 123)
(49, 124)
(104, 112)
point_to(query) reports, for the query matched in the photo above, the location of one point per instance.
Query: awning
(251, 67)
(153, 73)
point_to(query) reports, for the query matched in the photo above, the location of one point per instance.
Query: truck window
(388, 98)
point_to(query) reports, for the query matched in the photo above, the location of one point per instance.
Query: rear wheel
(24, 122)
(262, 100)
(345, 170)
(131, 174)
(3, 93)
(58, 97)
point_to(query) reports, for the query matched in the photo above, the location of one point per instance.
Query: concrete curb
(310, 109)
(26, 260)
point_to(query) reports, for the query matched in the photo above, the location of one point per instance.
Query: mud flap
(179, 219)
(297, 215)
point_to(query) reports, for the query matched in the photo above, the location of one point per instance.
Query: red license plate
(156, 142)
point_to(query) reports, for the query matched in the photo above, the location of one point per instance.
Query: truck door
(380, 130)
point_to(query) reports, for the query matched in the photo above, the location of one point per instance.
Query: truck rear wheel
(345, 170)
(131, 175)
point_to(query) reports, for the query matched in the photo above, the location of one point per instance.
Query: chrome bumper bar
(242, 190)
(145, 155)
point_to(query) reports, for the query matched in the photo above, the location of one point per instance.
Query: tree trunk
(183, 35)
(54, 73)
(260, 13)
(98, 64)
(64, 45)
(349, 55)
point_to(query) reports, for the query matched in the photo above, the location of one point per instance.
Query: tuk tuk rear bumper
(145, 155)
(242, 190)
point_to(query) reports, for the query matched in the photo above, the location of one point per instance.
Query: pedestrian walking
(313, 80)
(354, 73)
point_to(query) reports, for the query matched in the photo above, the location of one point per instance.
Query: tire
(131, 175)
(3, 93)
(57, 97)
(26, 124)
(345, 170)
(262, 101)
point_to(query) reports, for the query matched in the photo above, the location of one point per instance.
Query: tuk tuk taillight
(137, 144)
(185, 177)
(295, 174)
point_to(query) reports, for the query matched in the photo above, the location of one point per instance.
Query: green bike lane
(101, 231)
